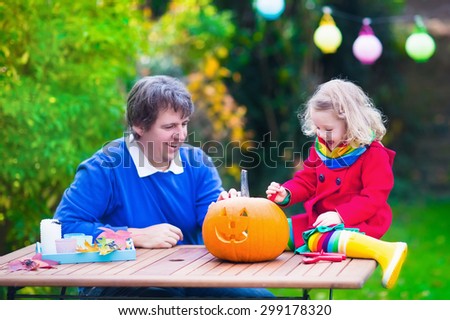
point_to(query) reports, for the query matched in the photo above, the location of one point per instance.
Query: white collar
(143, 166)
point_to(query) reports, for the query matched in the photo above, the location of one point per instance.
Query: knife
(245, 192)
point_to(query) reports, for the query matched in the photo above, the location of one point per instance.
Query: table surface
(191, 266)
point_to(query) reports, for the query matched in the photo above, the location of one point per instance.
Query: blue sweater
(108, 192)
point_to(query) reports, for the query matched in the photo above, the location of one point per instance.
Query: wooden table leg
(11, 294)
(305, 295)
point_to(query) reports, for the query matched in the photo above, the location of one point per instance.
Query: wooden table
(190, 266)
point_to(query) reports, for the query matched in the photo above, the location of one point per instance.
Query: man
(148, 183)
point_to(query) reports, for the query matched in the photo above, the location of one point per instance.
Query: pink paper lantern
(367, 48)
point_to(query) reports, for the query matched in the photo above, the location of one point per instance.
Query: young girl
(345, 181)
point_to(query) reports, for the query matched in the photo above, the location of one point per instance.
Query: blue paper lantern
(270, 9)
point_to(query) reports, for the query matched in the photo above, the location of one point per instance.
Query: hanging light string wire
(376, 20)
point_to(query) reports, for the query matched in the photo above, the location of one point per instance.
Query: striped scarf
(340, 157)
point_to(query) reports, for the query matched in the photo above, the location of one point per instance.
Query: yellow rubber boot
(389, 255)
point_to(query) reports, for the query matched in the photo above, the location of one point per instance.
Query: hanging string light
(367, 48)
(270, 9)
(327, 36)
(420, 46)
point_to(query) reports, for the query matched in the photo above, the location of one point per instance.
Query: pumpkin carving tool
(313, 257)
(245, 192)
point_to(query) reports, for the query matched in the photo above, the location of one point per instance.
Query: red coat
(359, 193)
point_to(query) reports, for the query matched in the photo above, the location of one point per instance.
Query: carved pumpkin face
(245, 229)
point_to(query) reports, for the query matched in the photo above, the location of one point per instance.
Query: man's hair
(153, 94)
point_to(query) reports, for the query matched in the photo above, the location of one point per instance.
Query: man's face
(162, 141)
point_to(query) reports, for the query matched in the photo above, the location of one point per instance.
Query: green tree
(64, 69)
(197, 38)
(279, 67)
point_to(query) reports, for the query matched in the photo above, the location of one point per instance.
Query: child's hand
(328, 218)
(276, 192)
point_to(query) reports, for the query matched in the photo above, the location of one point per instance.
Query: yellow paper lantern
(327, 36)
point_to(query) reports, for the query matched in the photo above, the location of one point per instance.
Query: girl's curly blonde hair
(364, 121)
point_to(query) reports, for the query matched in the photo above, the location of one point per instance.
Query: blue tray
(85, 257)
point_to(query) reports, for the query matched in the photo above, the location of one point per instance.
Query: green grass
(424, 226)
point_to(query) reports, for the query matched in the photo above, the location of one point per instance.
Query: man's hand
(232, 193)
(158, 236)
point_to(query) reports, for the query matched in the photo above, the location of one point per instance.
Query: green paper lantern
(420, 46)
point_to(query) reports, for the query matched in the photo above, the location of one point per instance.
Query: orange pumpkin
(245, 229)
